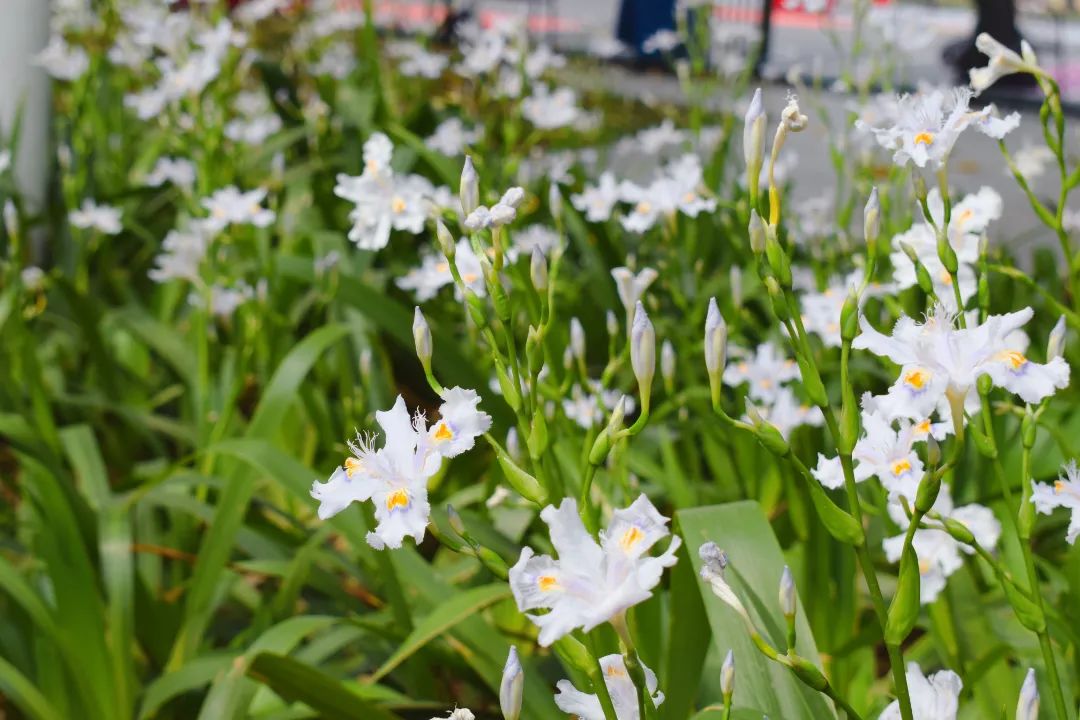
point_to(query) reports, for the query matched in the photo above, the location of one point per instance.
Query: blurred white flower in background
(103, 218)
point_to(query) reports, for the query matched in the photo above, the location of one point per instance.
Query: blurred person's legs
(641, 19)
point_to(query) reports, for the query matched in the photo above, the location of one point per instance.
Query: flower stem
(599, 683)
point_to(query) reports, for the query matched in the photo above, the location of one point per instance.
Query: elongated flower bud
(513, 445)
(872, 218)
(754, 135)
(577, 339)
(11, 219)
(727, 675)
(422, 338)
(736, 281)
(715, 339)
(918, 182)
(1055, 346)
(1028, 706)
(513, 683)
(612, 323)
(643, 349)
(787, 593)
(456, 523)
(446, 240)
(538, 270)
(469, 190)
(555, 202)
(757, 232)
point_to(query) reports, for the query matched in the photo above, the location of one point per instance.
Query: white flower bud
(667, 362)
(757, 232)
(787, 593)
(568, 358)
(421, 337)
(643, 348)
(872, 218)
(469, 191)
(1027, 708)
(727, 674)
(555, 202)
(11, 219)
(513, 445)
(577, 339)
(612, 323)
(513, 683)
(1055, 346)
(538, 270)
(446, 240)
(715, 339)
(754, 134)
(735, 280)
(365, 362)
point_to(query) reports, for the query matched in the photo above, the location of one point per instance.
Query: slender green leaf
(742, 530)
(297, 682)
(444, 617)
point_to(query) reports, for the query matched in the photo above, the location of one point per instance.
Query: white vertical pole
(24, 30)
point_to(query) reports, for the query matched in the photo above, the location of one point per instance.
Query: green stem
(599, 682)
(1023, 530)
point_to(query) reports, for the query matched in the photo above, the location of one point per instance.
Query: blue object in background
(640, 19)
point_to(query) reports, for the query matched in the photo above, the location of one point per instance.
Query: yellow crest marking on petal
(924, 567)
(924, 138)
(923, 428)
(644, 207)
(615, 671)
(396, 499)
(916, 379)
(630, 538)
(398, 205)
(1014, 358)
(547, 583)
(443, 431)
(470, 278)
(900, 467)
(352, 466)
